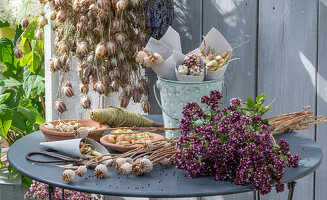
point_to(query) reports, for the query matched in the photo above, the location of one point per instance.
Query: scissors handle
(49, 154)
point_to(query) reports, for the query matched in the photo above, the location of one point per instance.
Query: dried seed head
(63, 59)
(121, 57)
(39, 34)
(93, 8)
(100, 51)
(100, 171)
(156, 59)
(147, 51)
(101, 4)
(111, 48)
(147, 62)
(56, 64)
(68, 84)
(138, 169)
(124, 101)
(135, 3)
(115, 24)
(42, 21)
(68, 176)
(82, 132)
(60, 105)
(139, 57)
(80, 26)
(165, 162)
(136, 96)
(98, 31)
(59, 3)
(53, 15)
(114, 86)
(120, 38)
(64, 48)
(148, 145)
(18, 52)
(142, 37)
(51, 66)
(83, 88)
(85, 102)
(121, 5)
(87, 71)
(24, 23)
(67, 91)
(81, 170)
(114, 62)
(61, 16)
(100, 88)
(125, 169)
(119, 162)
(82, 49)
(128, 90)
(148, 165)
(147, 108)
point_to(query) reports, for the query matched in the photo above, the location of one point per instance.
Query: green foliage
(249, 107)
(21, 88)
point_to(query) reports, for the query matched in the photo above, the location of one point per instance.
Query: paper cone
(188, 78)
(172, 39)
(159, 47)
(71, 147)
(214, 75)
(166, 69)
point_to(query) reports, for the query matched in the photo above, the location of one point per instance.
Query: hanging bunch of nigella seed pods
(103, 35)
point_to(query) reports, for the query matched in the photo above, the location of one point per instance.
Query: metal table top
(169, 182)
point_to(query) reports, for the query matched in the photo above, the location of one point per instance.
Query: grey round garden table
(160, 183)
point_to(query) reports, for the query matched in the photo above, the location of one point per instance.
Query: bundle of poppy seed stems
(137, 161)
(142, 159)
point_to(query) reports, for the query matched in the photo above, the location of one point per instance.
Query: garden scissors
(62, 158)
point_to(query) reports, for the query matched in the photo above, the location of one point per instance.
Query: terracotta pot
(121, 148)
(52, 135)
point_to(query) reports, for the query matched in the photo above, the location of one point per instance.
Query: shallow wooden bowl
(52, 135)
(121, 148)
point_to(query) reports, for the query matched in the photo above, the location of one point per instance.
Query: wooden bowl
(121, 148)
(52, 135)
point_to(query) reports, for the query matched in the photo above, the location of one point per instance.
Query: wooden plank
(286, 65)
(321, 136)
(235, 20)
(188, 24)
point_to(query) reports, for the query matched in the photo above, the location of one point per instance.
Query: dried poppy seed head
(100, 171)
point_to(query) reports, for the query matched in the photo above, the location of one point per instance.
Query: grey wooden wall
(286, 59)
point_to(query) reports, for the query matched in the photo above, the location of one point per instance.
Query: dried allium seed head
(100, 88)
(165, 162)
(115, 24)
(114, 62)
(68, 84)
(64, 48)
(87, 71)
(24, 23)
(120, 38)
(111, 48)
(68, 91)
(121, 5)
(102, 4)
(124, 101)
(135, 3)
(126, 46)
(39, 34)
(68, 176)
(60, 3)
(63, 59)
(82, 49)
(125, 169)
(136, 96)
(139, 57)
(81, 170)
(85, 102)
(121, 57)
(51, 66)
(147, 108)
(53, 15)
(100, 171)
(18, 52)
(61, 16)
(42, 21)
(114, 86)
(100, 51)
(128, 90)
(56, 64)
(83, 88)
(60, 105)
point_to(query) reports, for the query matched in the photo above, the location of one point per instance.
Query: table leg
(63, 194)
(291, 187)
(51, 191)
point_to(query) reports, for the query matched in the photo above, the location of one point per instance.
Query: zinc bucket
(175, 95)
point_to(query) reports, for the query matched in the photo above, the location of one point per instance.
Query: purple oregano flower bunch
(231, 145)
